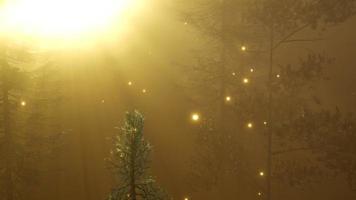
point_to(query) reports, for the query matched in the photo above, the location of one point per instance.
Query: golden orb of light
(195, 117)
(228, 98)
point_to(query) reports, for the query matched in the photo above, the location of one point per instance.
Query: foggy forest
(177, 100)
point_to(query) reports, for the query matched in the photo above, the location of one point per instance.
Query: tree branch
(303, 40)
(292, 150)
(297, 30)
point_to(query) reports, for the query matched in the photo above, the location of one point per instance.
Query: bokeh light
(228, 98)
(262, 173)
(195, 117)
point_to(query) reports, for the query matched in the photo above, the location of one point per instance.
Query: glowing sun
(60, 18)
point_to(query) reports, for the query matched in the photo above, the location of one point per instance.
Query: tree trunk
(223, 68)
(270, 120)
(132, 172)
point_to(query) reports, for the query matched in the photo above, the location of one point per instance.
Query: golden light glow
(60, 18)
(129, 83)
(144, 90)
(195, 117)
(243, 48)
(278, 76)
(265, 123)
(252, 70)
(228, 98)
(249, 125)
(262, 173)
(103, 101)
(233, 73)
(259, 194)
(246, 80)
(186, 198)
(23, 103)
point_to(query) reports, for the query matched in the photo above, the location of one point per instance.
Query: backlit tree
(129, 161)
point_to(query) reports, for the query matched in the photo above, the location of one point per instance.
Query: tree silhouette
(244, 36)
(28, 129)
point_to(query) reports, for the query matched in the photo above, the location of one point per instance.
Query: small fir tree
(129, 160)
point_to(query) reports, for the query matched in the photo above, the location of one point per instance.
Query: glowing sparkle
(233, 73)
(252, 70)
(262, 173)
(23, 103)
(278, 76)
(195, 117)
(259, 194)
(265, 123)
(144, 90)
(243, 48)
(246, 80)
(186, 198)
(249, 125)
(228, 98)
(129, 83)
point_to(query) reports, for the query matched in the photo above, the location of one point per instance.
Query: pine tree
(129, 161)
